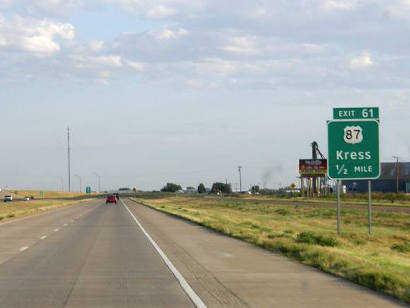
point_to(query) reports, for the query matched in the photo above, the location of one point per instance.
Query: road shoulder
(226, 272)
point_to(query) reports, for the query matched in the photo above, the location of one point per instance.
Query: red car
(111, 199)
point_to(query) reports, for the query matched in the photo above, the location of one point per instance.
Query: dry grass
(378, 199)
(36, 194)
(23, 208)
(308, 234)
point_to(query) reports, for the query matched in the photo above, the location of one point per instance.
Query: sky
(185, 91)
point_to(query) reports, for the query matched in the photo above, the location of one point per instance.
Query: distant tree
(255, 189)
(201, 188)
(221, 188)
(171, 187)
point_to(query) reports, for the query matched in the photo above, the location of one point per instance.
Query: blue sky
(185, 91)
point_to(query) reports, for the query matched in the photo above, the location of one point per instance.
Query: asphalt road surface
(127, 255)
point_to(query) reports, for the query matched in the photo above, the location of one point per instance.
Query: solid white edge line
(185, 286)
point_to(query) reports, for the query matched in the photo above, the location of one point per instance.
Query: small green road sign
(353, 150)
(365, 113)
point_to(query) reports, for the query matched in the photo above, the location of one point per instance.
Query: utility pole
(397, 173)
(240, 178)
(69, 159)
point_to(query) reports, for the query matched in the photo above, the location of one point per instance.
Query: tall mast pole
(397, 173)
(69, 159)
(240, 178)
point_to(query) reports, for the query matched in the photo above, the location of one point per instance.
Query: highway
(127, 255)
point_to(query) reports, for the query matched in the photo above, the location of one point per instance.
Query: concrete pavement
(98, 259)
(96, 255)
(226, 272)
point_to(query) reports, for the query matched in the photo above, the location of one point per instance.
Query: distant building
(190, 190)
(387, 181)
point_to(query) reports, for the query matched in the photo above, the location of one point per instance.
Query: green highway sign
(353, 149)
(365, 113)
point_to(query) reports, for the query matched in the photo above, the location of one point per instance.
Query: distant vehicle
(111, 199)
(117, 195)
(124, 189)
(26, 198)
(8, 198)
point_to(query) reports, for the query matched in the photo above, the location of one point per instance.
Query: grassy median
(308, 234)
(23, 208)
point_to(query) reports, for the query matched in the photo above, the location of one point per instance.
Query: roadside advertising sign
(312, 167)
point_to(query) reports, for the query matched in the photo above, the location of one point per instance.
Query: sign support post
(339, 211)
(370, 208)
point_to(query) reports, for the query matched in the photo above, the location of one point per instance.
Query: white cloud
(58, 5)
(37, 36)
(160, 11)
(195, 83)
(96, 45)
(48, 7)
(242, 46)
(110, 61)
(399, 9)
(168, 34)
(6, 3)
(362, 61)
(136, 66)
(344, 5)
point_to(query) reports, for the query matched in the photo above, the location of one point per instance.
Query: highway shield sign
(353, 150)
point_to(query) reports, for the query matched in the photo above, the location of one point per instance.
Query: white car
(8, 198)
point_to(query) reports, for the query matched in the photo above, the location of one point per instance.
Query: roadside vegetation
(382, 199)
(37, 194)
(23, 208)
(308, 234)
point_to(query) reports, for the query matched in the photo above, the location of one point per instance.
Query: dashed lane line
(43, 237)
(23, 248)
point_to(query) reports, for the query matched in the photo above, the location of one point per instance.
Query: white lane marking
(56, 230)
(65, 225)
(43, 237)
(185, 286)
(23, 248)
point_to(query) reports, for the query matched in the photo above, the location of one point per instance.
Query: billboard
(312, 167)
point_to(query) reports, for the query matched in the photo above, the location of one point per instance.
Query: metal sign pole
(370, 208)
(339, 218)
